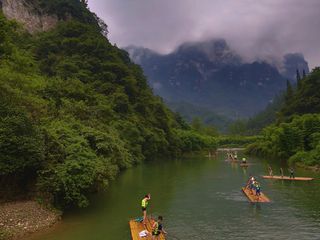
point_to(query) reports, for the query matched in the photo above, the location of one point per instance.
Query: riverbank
(231, 149)
(301, 165)
(18, 219)
(315, 168)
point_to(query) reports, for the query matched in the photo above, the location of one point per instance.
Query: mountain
(299, 99)
(211, 75)
(293, 62)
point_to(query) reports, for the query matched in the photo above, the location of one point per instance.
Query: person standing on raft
(270, 171)
(144, 205)
(244, 160)
(291, 170)
(257, 188)
(250, 184)
(157, 228)
(235, 156)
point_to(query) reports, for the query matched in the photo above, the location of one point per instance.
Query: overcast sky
(254, 28)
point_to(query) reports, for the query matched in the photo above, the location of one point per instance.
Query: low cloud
(256, 29)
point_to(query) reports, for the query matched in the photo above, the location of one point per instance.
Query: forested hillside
(75, 110)
(305, 98)
(296, 133)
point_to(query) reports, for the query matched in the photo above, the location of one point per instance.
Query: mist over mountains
(211, 75)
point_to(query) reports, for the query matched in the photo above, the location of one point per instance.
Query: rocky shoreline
(18, 219)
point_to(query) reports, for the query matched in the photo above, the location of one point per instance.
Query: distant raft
(288, 178)
(137, 227)
(255, 199)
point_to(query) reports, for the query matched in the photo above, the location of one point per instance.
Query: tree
(305, 99)
(197, 124)
(21, 143)
(238, 127)
(289, 93)
(298, 79)
(304, 73)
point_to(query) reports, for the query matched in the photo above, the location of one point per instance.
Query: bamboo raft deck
(253, 198)
(137, 227)
(288, 178)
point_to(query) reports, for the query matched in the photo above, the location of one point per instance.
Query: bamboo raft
(253, 198)
(288, 178)
(136, 227)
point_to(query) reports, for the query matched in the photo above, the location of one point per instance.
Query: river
(199, 198)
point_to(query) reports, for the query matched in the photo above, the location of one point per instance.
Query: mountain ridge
(212, 75)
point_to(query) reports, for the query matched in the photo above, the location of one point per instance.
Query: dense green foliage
(296, 134)
(75, 110)
(298, 140)
(305, 98)
(194, 141)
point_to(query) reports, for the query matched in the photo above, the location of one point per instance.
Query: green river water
(200, 198)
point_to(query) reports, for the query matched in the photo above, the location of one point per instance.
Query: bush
(239, 141)
(21, 143)
(193, 141)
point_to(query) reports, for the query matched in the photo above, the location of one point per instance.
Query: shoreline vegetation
(296, 141)
(315, 168)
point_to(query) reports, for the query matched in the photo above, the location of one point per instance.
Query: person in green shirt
(144, 205)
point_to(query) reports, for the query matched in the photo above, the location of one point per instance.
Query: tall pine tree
(298, 79)
(289, 93)
(304, 73)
